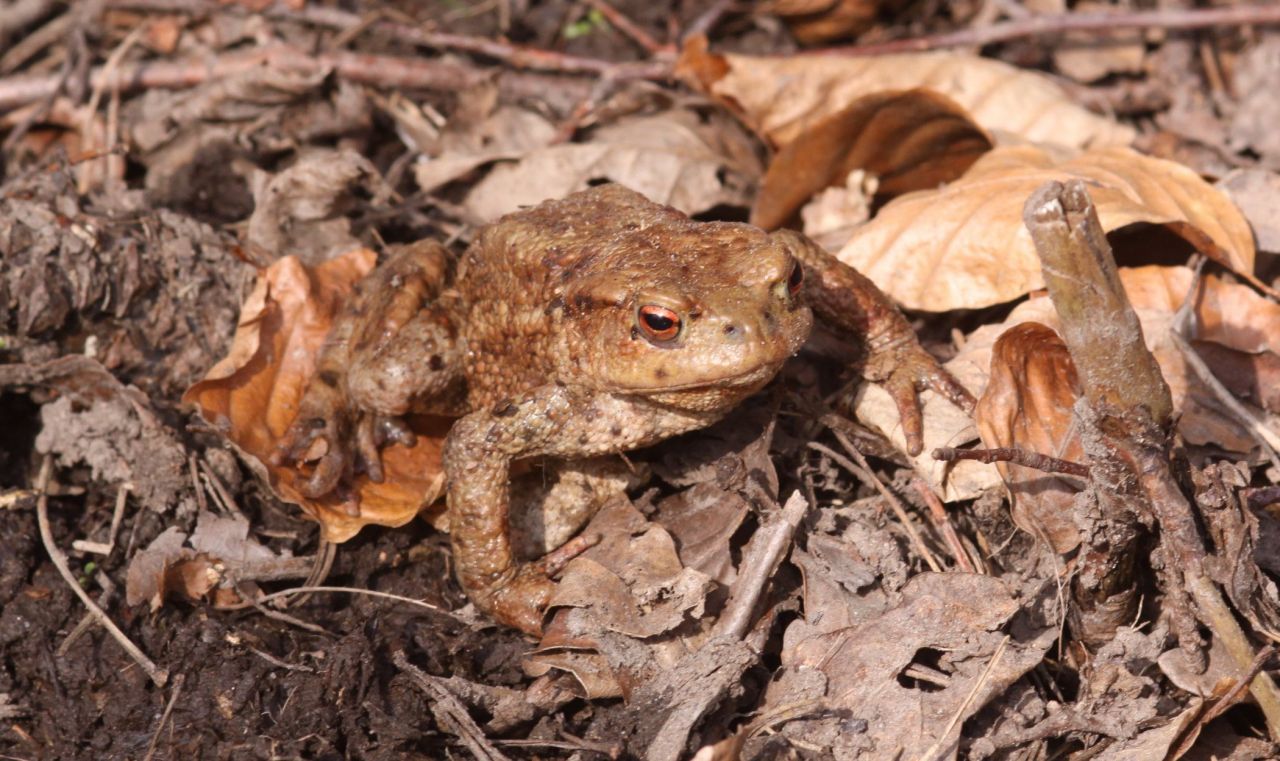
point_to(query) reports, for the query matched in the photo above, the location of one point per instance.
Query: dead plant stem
(158, 675)
(1058, 24)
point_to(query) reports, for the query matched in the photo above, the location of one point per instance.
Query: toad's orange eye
(796, 278)
(658, 323)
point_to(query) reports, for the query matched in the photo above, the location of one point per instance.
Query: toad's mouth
(747, 380)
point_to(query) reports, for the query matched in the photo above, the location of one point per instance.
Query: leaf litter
(752, 597)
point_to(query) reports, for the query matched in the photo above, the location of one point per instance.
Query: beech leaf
(252, 395)
(964, 246)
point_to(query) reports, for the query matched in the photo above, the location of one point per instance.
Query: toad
(568, 333)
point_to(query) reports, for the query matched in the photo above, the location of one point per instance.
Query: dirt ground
(135, 218)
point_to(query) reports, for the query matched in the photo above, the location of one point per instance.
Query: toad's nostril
(730, 329)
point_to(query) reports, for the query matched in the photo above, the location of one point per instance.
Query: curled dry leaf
(964, 246)
(1028, 404)
(816, 21)
(908, 140)
(1231, 322)
(782, 97)
(253, 393)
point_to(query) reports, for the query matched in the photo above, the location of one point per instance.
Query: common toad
(573, 331)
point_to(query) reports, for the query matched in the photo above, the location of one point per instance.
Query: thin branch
(938, 512)
(935, 750)
(863, 471)
(365, 592)
(158, 675)
(164, 718)
(630, 29)
(518, 56)
(1058, 24)
(759, 561)
(383, 71)
(702, 25)
(1041, 462)
(449, 711)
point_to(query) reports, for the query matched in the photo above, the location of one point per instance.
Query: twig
(935, 750)
(365, 592)
(158, 675)
(87, 620)
(164, 718)
(1233, 696)
(863, 471)
(38, 40)
(703, 24)
(1128, 413)
(1184, 324)
(99, 548)
(383, 71)
(630, 29)
(449, 711)
(1052, 25)
(759, 561)
(518, 56)
(943, 523)
(274, 661)
(1035, 460)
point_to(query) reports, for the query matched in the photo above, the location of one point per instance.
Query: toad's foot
(342, 442)
(904, 369)
(521, 602)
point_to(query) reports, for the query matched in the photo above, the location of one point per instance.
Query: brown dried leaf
(947, 625)
(671, 158)
(1028, 404)
(965, 247)
(1091, 56)
(1228, 318)
(780, 97)
(909, 140)
(253, 393)
(630, 586)
(817, 21)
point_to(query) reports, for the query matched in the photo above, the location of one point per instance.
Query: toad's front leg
(477, 458)
(845, 299)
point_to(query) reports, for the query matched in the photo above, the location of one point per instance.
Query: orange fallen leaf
(780, 97)
(1028, 404)
(252, 395)
(964, 246)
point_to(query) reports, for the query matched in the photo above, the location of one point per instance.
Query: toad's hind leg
(554, 501)
(391, 345)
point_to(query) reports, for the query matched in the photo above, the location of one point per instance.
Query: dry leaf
(1029, 404)
(1228, 317)
(630, 586)
(782, 97)
(817, 21)
(253, 393)
(947, 625)
(1091, 56)
(671, 158)
(907, 140)
(1257, 194)
(965, 247)
(301, 209)
(507, 133)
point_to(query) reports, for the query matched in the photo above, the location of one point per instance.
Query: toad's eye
(658, 323)
(796, 278)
